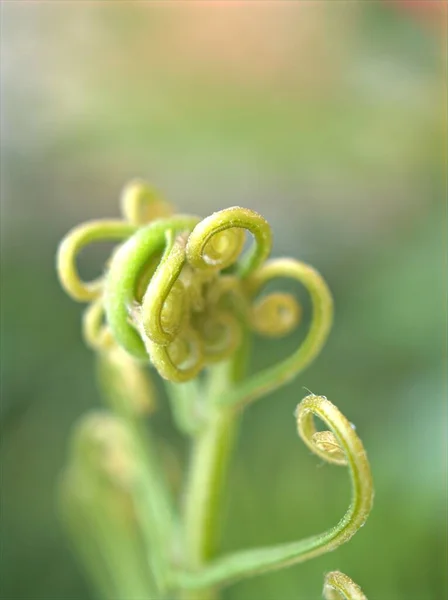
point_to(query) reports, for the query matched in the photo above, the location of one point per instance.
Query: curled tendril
(276, 315)
(74, 242)
(187, 316)
(95, 332)
(338, 586)
(182, 360)
(179, 291)
(141, 204)
(217, 241)
(164, 302)
(126, 267)
(275, 323)
(351, 453)
(221, 334)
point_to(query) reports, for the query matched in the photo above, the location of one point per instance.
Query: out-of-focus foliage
(328, 119)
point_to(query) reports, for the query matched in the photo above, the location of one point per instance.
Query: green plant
(180, 293)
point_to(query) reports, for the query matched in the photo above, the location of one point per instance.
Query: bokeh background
(329, 119)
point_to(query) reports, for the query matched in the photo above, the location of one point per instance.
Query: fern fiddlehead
(180, 293)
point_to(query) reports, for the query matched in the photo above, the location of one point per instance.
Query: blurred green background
(326, 117)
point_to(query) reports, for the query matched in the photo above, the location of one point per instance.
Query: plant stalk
(209, 463)
(208, 470)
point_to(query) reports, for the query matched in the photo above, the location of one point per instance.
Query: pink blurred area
(424, 7)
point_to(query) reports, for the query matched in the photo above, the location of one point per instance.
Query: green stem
(185, 401)
(209, 464)
(210, 459)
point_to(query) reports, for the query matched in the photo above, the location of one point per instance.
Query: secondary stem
(125, 387)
